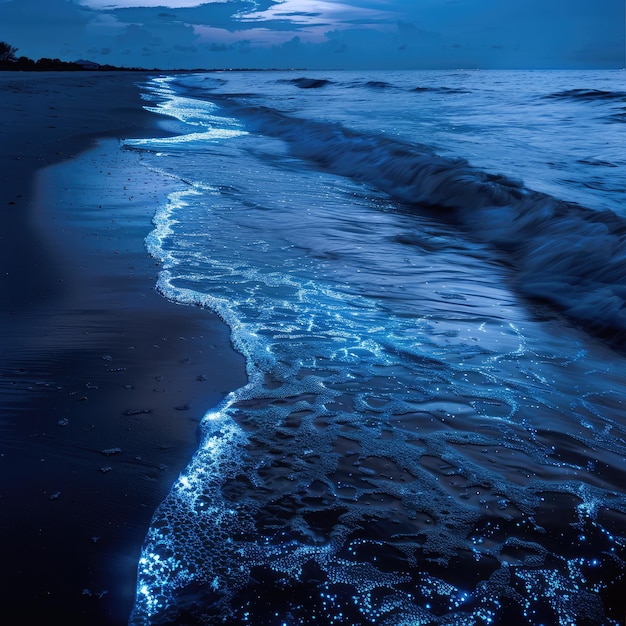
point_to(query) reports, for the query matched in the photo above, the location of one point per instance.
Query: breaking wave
(567, 255)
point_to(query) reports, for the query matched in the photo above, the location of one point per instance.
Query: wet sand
(102, 381)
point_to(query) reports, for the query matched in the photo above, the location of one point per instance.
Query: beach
(422, 420)
(102, 380)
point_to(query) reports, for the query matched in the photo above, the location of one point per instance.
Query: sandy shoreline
(102, 381)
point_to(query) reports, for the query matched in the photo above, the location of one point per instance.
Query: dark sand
(92, 359)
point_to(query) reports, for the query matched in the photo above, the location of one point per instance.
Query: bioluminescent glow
(416, 443)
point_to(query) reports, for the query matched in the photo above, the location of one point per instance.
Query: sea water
(426, 272)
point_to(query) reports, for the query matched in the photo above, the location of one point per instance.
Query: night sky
(351, 34)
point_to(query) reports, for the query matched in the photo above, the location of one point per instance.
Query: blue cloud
(321, 33)
(43, 29)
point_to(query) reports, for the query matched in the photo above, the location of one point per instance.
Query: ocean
(426, 274)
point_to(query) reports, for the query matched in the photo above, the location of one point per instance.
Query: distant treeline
(24, 64)
(9, 61)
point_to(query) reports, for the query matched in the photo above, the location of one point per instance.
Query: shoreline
(102, 380)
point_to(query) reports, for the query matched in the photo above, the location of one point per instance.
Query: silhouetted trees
(7, 52)
(9, 61)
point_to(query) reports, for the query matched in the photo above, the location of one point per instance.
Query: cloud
(306, 10)
(320, 33)
(220, 47)
(147, 4)
(41, 29)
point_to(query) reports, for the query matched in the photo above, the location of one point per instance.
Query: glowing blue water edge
(417, 444)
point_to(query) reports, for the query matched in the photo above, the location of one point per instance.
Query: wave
(316, 83)
(619, 117)
(440, 90)
(307, 83)
(358, 473)
(597, 162)
(588, 94)
(567, 255)
(377, 84)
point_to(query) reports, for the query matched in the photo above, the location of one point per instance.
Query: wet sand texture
(102, 381)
